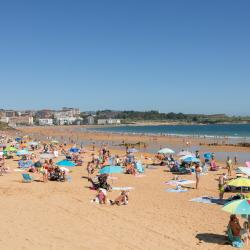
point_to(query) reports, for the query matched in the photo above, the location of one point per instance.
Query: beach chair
(27, 178)
(235, 241)
(139, 167)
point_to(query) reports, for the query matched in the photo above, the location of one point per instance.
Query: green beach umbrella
(11, 149)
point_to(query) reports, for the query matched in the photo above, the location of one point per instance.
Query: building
(45, 114)
(101, 121)
(90, 120)
(45, 122)
(73, 111)
(114, 121)
(65, 120)
(108, 121)
(21, 120)
(10, 113)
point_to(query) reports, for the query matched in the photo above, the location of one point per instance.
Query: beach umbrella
(22, 152)
(186, 156)
(166, 151)
(239, 182)
(65, 163)
(11, 149)
(54, 142)
(34, 143)
(65, 169)
(248, 164)
(191, 159)
(208, 156)
(239, 207)
(74, 150)
(184, 153)
(111, 170)
(132, 150)
(47, 156)
(18, 139)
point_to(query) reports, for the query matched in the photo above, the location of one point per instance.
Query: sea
(226, 133)
(234, 131)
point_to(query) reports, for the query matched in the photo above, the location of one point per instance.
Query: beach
(56, 215)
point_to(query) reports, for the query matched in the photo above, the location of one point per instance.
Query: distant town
(73, 116)
(46, 117)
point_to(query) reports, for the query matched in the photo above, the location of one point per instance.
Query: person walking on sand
(222, 181)
(198, 171)
(229, 166)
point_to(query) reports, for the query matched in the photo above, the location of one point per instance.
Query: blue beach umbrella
(191, 159)
(22, 152)
(65, 163)
(208, 156)
(111, 170)
(74, 150)
(18, 139)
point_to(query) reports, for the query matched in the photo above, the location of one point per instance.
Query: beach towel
(179, 182)
(151, 167)
(209, 200)
(122, 188)
(139, 167)
(173, 190)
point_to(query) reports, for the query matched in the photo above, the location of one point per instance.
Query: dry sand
(60, 216)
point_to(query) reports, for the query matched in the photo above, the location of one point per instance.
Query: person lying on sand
(122, 199)
(101, 196)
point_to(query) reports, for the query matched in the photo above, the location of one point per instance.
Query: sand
(56, 215)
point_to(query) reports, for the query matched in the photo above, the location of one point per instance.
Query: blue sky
(183, 56)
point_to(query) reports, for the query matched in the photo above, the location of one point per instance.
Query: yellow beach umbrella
(239, 182)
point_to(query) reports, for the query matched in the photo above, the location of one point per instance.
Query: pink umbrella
(248, 164)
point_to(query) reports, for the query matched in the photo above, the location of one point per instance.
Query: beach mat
(209, 200)
(172, 190)
(122, 188)
(179, 182)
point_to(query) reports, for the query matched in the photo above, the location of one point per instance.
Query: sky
(182, 56)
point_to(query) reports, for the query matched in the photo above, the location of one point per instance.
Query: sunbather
(122, 199)
(237, 230)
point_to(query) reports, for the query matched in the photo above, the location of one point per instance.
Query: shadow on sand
(213, 238)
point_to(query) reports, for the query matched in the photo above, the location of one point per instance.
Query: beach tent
(239, 207)
(65, 163)
(111, 170)
(166, 151)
